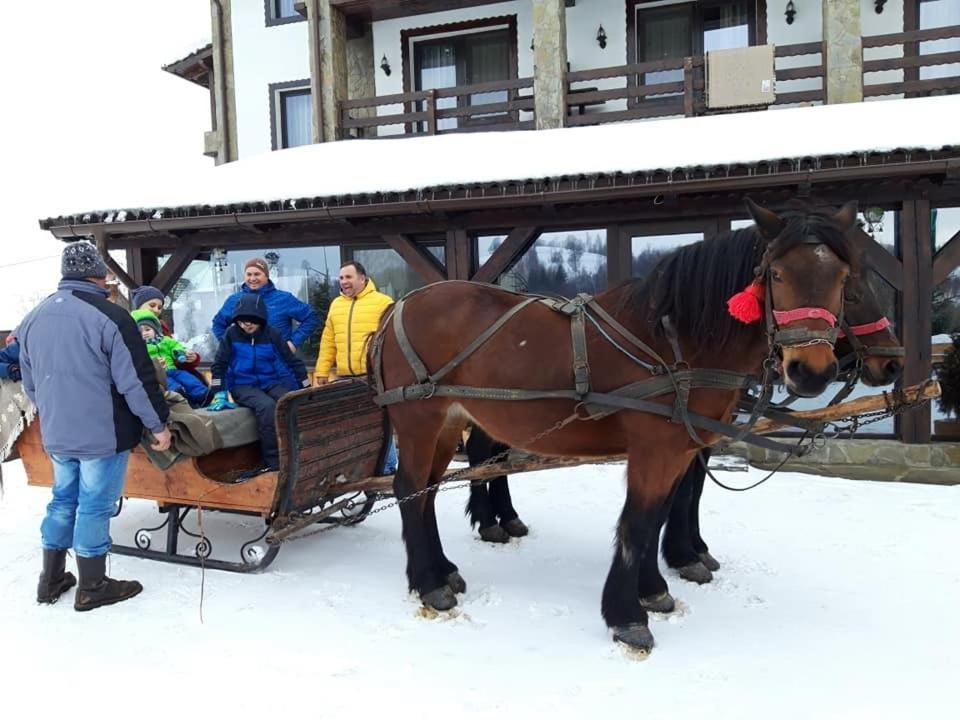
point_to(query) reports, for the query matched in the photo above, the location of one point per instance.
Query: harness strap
(595, 307)
(581, 368)
(419, 369)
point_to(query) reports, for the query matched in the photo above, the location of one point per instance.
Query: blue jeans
(187, 384)
(390, 459)
(85, 495)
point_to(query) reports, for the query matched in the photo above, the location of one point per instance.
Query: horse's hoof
(635, 635)
(661, 603)
(456, 582)
(709, 561)
(494, 534)
(440, 599)
(696, 572)
(515, 527)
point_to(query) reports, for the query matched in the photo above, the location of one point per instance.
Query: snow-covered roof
(431, 163)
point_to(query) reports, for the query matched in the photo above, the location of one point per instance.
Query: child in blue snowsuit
(10, 359)
(252, 361)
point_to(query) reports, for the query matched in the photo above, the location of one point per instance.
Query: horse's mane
(692, 284)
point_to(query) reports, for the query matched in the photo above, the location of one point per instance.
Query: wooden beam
(916, 312)
(880, 259)
(458, 255)
(101, 241)
(619, 256)
(513, 246)
(416, 258)
(174, 268)
(946, 260)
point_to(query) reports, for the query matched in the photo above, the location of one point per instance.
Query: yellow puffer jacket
(349, 323)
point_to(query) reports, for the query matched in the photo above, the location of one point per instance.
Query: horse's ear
(846, 216)
(768, 222)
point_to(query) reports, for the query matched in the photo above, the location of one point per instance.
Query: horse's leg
(503, 506)
(703, 552)
(653, 591)
(480, 507)
(651, 476)
(443, 567)
(417, 461)
(678, 538)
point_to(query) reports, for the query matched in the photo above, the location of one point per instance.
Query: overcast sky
(85, 102)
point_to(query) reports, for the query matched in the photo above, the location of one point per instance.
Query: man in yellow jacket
(353, 318)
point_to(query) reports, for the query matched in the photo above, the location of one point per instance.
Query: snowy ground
(836, 599)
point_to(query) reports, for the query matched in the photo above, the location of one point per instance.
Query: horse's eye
(775, 275)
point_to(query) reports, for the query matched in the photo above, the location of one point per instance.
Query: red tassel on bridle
(746, 306)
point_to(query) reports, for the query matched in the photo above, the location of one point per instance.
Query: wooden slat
(174, 268)
(385, 120)
(800, 73)
(394, 99)
(493, 86)
(910, 62)
(674, 108)
(583, 98)
(946, 260)
(799, 97)
(913, 86)
(798, 49)
(486, 109)
(416, 258)
(624, 70)
(512, 247)
(943, 33)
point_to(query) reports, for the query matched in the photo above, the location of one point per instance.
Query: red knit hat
(258, 263)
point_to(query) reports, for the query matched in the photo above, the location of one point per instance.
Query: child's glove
(220, 402)
(14, 373)
(180, 357)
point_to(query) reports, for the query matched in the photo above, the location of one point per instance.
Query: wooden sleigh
(328, 436)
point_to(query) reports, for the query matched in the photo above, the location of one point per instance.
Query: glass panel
(647, 250)
(389, 271)
(488, 60)
(310, 273)
(944, 225)
(436, 67)
(726, 26)
(663, 33)
(284, 9)
(558, 263)
(296, 118)
(935, 14)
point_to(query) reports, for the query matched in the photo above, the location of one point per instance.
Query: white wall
(890, 21)
(262, 55)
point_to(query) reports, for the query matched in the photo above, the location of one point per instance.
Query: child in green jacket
(170, 352)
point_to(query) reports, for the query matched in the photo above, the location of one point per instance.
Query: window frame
(272, 19)
(278, 129)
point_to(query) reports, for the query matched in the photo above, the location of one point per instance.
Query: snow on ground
(836, 599)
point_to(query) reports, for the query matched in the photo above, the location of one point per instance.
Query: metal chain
(451, 482)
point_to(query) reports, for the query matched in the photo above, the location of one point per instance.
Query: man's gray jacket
(86, 369)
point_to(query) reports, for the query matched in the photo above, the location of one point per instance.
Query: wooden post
(431, 104)
(915, 311)
(688, 87)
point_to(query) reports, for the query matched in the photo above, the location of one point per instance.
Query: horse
(703, 306)
(870, 352)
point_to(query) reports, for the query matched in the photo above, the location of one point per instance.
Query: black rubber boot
(54, 580)
(96, 589)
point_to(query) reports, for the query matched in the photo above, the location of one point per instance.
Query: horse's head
(805, 265)
(866, 338)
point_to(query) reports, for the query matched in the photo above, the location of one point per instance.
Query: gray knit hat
(80, 260)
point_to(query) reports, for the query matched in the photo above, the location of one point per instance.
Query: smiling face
(255, 278)
(351, 281)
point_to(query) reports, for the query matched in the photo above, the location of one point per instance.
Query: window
(938, 14)
(687, 29)
(390, 272)
(292, 114)
(461, 54)
(282, 12)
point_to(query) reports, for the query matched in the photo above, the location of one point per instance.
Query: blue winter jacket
(282, 309)
(10, 361)
(261, 359)
(86, 369)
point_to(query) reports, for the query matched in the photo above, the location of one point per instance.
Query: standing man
(354, 316)
(86, 369)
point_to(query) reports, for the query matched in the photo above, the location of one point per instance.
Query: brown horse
(800, 261)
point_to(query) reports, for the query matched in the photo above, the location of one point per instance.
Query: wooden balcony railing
(420, 112)
(681, 97)
(912, 61)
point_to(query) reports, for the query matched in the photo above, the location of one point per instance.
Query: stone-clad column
(844, 51)
(550, 63)
(328, 67)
